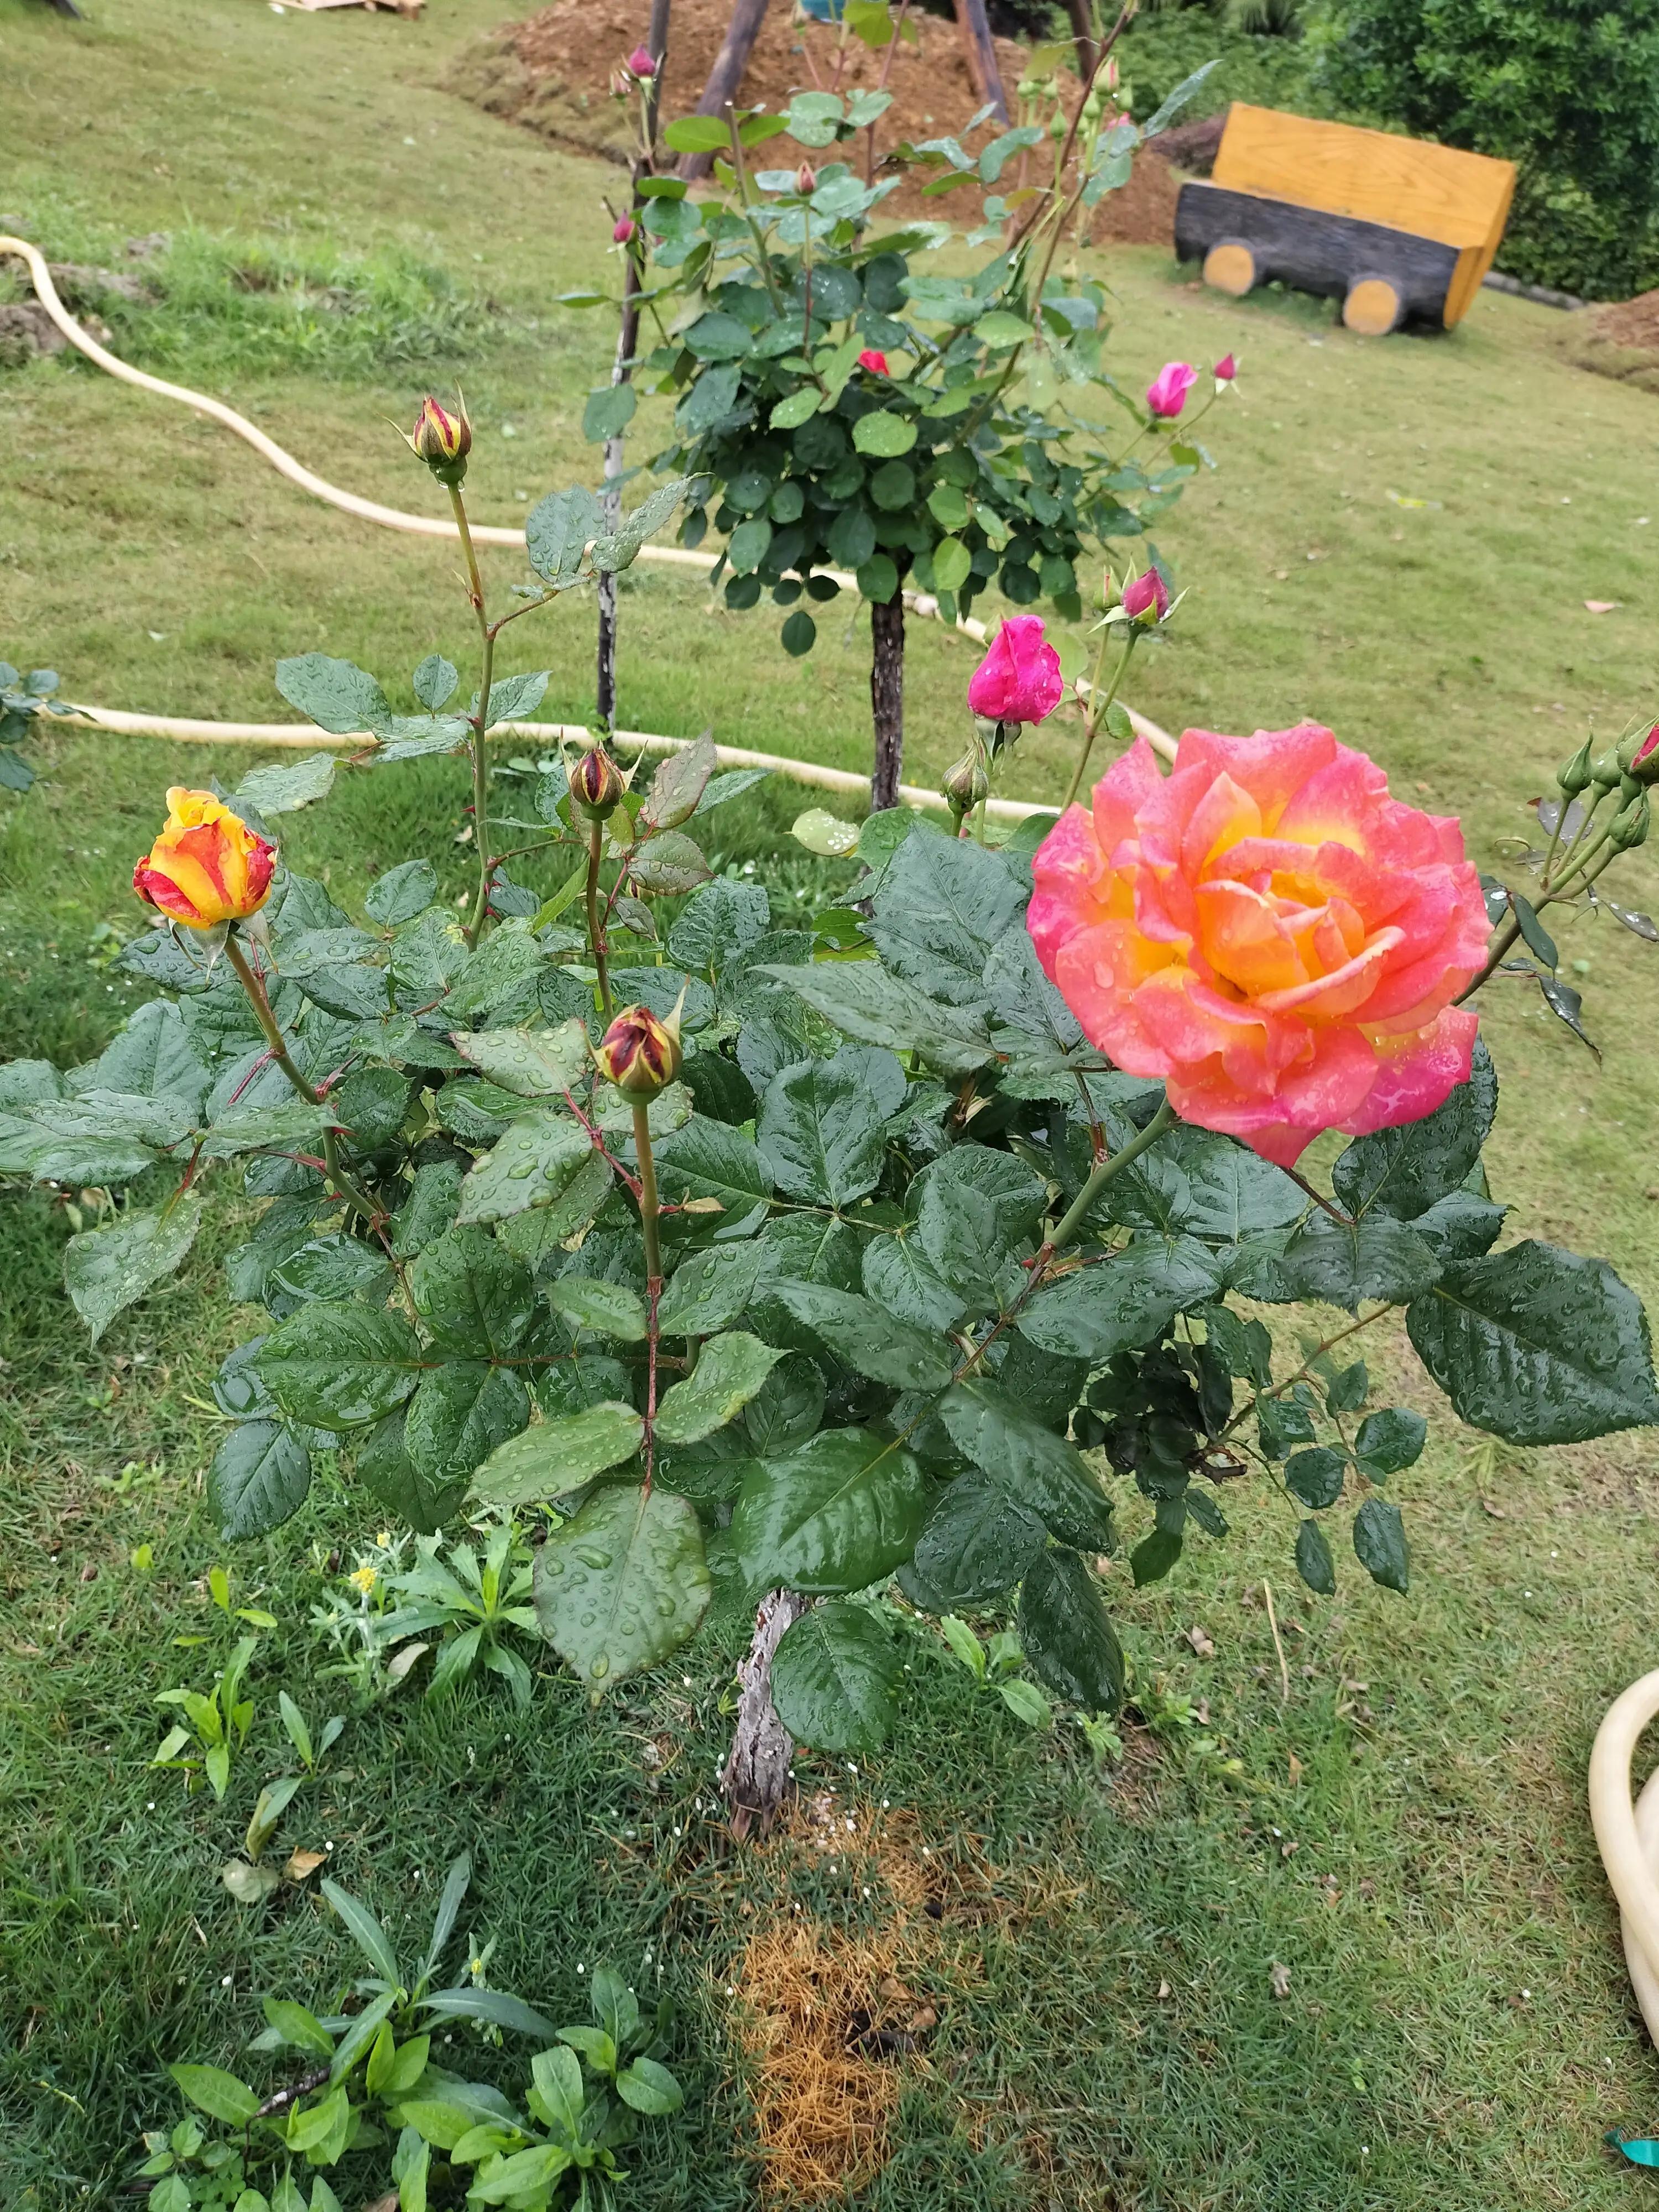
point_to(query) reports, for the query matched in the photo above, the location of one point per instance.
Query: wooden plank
(974, 26)
(1436, 191)
(725, 77)
(1314, 251)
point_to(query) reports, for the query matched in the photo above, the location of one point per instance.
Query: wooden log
(975, 25)
(1315, 252)
(725, 77)
(1083, 33)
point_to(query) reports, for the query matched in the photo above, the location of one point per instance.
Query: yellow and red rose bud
(443, 441)
(639, 1053)
(207, 865)
(597, 785)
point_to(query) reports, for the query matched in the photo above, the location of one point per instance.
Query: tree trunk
(622, 369)
(887, 699)
(974, 25)
(726, 78)
(1083, 30)
(756, 1772)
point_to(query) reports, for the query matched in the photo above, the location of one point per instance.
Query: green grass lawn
(1405, 1833)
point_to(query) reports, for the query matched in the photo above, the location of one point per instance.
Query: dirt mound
(551, 71)
(1621, 340)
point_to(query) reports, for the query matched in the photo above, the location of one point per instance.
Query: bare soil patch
(551, 71)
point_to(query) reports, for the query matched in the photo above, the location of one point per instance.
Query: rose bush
(1268, 932)
(745, 1252)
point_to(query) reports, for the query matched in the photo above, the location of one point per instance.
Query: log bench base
(1384, 277)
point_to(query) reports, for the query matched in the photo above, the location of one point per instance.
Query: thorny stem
(480, 721)
(1095, 712)
(1074, 1219)
(886, 71)
(1278, 1389)
(274, 1038)
(595, 934)
(765, 256)
(648, 1166)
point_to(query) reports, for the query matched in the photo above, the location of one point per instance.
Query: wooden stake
(726, 78)
(974, 25)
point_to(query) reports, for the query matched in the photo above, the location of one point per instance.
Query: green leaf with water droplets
(623, 1584)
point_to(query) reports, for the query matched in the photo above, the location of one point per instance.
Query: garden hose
(1627, 1836)
(422, 525)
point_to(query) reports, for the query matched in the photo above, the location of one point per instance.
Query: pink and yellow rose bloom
(1268, 931)
(207, 865)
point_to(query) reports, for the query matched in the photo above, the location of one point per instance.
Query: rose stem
(647, 1167)
(596, 935)
(279, 1051)
(1094, 714)
(480, 721)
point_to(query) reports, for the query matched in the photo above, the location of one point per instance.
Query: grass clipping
(824, 2013)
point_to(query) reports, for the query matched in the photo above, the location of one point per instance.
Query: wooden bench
(1396, 228)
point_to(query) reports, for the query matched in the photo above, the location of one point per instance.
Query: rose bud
(1629, 826)
(638, 1053)
(1146, 598)
(1019, 679)
(1107, 74)
(207, 865)
(623, 231)
(1224, 371)
(443, 441)
(597, 785)
(1166, 395)
(966, 781)
(1573, 777)
(621, 85)
(642, 63)
(1638, 757)
(806, 180)
(876, 363)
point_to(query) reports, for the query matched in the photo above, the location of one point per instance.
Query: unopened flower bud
(1108, 74)
(1147, 598)
(443, 441)
(1638, 756)
(1605, 772)
(597, 785)
(643, 64)
(621, 85)
(638, 1053)
(623, 231)
(1110, 593)
(1629, 826)
(1057, 125)
(806, 179)
(966, 781)
(1575, 775)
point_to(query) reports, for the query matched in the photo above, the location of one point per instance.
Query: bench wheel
(1229, 267)
(1372, 307)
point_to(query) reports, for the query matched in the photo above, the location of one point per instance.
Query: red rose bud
(443, 441)
(1146, 598)
(1224, 371)
(638, 1053)
(874, 361)
(806, 179)
(642, 64)
(597, 785)
(623, 231)
(1638, 757)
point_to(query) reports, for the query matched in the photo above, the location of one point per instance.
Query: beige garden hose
(422, 526)
(1627, 1836)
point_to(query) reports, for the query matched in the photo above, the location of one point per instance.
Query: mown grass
(1443, 1865)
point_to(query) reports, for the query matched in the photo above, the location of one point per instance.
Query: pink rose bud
(806, 179)
(1147, 598)
(642, 64)
(623, 231)
(1108, 74)
(874, 361)
(1644, 760)
(1225, 369)
(621, 85)
(1019, 678)
(1166, 395)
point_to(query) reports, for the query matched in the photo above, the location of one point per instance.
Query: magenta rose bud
(874, 361)
(1166, 395)
(1224, 371)
(623, 231)
(1147, 598)
(1019, 678)
(641, 64)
